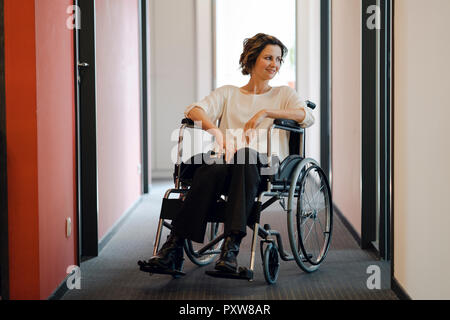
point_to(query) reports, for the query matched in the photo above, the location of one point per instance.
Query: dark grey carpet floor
(114, 274)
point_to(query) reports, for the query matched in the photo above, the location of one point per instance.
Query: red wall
(40, 131)
(118, 109)
(40, 142)
(21, 134)
(56, 141)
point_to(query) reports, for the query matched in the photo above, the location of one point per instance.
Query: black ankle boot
(170, 256)
(227, 261)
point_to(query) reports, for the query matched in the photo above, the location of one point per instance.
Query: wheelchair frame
(271, 238)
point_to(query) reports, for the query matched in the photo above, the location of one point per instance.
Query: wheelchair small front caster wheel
(271, 263)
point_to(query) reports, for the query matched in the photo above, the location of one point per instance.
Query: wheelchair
(297, 183)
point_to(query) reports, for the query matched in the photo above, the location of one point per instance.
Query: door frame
(385, 134)
(143, 66)
(368, 129)
(376, 142)
(86, 131)
(86, 134)
(325, 88)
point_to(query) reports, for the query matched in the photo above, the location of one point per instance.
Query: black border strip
(4, 243)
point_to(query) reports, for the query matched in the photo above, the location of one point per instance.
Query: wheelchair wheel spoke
(319, 183)
(317, 193)
(319, 246)
(310, 209)
(309, 232)
(321, 226)
(305, 218)
(312, 199)
(308, 202)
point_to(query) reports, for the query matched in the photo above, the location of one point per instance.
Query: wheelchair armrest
(288, 125)
(292, 125)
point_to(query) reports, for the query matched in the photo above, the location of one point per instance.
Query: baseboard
(348, 225)
(399, 290)
(62, 289)
(116, 227)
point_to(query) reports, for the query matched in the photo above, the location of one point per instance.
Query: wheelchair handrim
(329, 218)
(291, 215)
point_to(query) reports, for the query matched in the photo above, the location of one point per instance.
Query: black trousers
(240, 181)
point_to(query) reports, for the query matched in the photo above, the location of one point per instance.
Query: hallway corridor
(114, 274)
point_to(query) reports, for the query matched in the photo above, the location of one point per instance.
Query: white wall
(181, 71)
(308, 66)
(422, 148)
(172, 72)
(204, 46)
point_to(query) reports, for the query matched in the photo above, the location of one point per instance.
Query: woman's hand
(225, 146)
(250, 126)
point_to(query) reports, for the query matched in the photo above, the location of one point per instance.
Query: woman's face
(268, 63)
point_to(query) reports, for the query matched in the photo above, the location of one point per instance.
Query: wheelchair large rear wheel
(310, 218)
(213, 229)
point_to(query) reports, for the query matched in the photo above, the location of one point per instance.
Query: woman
(248, 110)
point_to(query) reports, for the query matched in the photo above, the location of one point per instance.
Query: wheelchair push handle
(187, 121)
(310, 104)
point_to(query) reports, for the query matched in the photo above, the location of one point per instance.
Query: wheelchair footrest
(145, 267)
(242, 274)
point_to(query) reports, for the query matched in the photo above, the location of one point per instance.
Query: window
(237, 20)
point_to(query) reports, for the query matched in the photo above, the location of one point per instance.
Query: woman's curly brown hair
(253, 47)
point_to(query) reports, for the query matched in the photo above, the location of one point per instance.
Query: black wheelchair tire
(271, 263)
(308, 256)
(299, 252)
